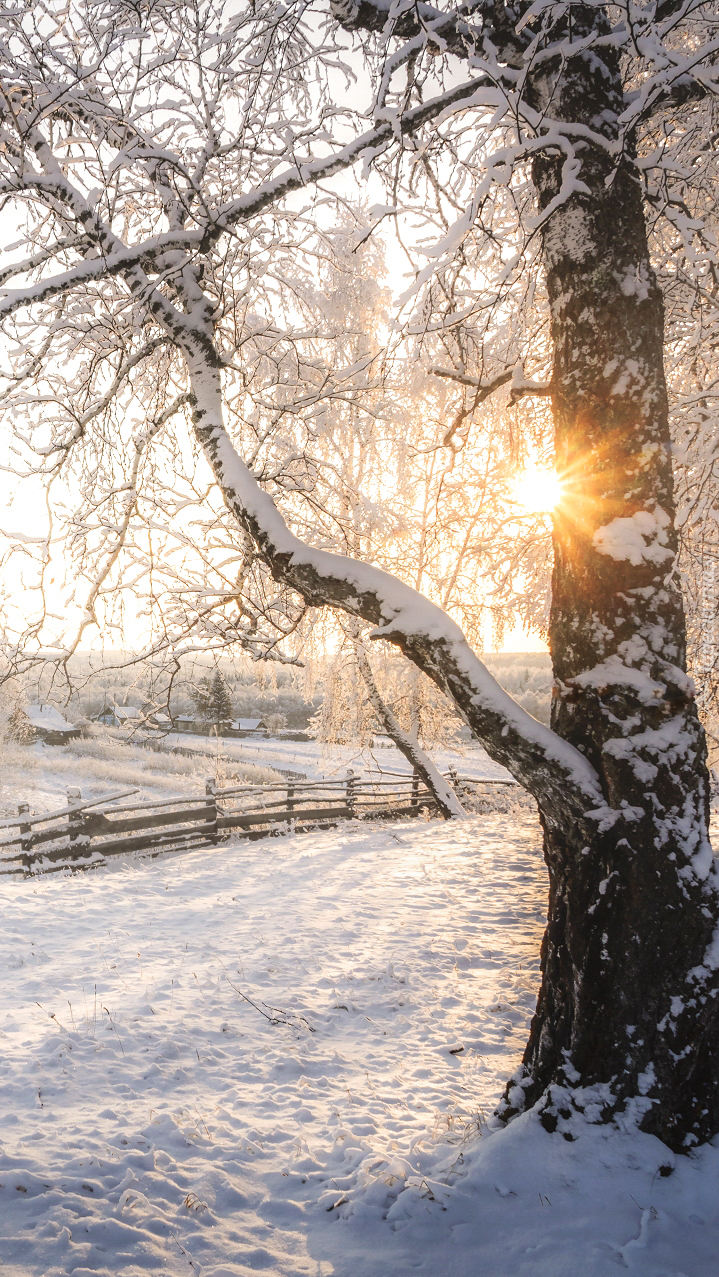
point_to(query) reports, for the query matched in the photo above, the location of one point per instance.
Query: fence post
(25, 839)
(79, 842)
(414, 801)
(453, 777)
(290, 797)
(351, 798)
(211, 807)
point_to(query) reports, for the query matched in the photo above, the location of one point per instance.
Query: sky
(520, 640)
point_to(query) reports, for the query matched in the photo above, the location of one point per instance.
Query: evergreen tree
(221, 701)
(212, 699)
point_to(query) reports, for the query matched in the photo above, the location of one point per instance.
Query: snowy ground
(318, 760)
(41, 774)
(154, 1120)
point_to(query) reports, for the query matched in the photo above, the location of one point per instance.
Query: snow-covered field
(337, 1123)
(41, 774)
(317, 760)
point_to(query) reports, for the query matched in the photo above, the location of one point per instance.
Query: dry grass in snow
(40, 774)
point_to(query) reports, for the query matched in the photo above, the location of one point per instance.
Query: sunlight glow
(537, 490)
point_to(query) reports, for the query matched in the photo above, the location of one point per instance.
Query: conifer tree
(212, 699)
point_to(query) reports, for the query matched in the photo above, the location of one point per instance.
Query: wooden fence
(87, 831)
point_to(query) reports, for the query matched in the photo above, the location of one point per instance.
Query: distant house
(119, 716)
(154, 718)
(42, 723)
(227, 727)
(247, 727)
(127, 715)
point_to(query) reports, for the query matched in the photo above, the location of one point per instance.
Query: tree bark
(628, 1001)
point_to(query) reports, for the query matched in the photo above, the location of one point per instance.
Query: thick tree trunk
(629, 987)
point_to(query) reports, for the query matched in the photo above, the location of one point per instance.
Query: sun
(537, 490)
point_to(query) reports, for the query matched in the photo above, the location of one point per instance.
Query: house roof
(48, 719)
(126, 711)
(247, 724)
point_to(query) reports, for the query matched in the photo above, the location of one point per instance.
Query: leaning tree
(164, 158)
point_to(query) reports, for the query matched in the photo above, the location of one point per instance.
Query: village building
(43, 723)
(186, 723)
(119, 716)
(155, 718)
(247, 727)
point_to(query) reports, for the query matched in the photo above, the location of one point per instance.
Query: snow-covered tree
(212, 699)
(171, 163)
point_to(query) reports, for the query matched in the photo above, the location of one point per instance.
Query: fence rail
(87, 831)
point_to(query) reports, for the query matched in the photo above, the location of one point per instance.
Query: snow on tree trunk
(629, 988)
(627, 1012)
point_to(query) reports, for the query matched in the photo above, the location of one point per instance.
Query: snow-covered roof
(48, 718)
(126, 711)
(186, 718)
(247, 724)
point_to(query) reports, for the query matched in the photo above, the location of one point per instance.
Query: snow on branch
(519, 384)
(515, 376)
(554, 771)
(152, 253)
(419, 760)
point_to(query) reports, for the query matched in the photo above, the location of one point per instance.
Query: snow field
(319, 760)
(149, 1112)
(154, 1120)
(41, 774)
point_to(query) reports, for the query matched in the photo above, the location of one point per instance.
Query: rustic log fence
(86, 832)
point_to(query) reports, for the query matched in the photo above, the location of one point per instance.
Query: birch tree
(157, 156)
